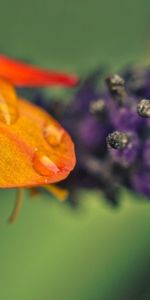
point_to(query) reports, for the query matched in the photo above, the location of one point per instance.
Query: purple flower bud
(128, 155)
(126, 118)
(92, 132)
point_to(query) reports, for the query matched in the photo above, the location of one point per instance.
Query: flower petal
(27, 156)
(21, 74)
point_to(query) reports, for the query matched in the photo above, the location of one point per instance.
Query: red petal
(21, 74)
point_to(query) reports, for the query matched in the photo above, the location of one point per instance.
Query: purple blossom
(129, 154)
(110, 128)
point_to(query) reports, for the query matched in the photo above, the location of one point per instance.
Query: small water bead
(44, 165)
(8, 114)
(8, 103)
(53, 135)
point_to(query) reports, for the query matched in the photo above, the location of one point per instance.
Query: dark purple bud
(91, 132)
(126, 156)
(126, 118)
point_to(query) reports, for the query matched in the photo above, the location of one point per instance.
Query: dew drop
(8, 114)
(53, 135)
(44, 165)
(8, 103)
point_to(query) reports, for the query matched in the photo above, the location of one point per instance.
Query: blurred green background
(95, 252)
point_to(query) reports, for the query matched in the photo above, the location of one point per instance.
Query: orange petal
(28, 157)
(21, 74)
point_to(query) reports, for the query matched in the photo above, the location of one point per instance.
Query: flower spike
(26, 75)
(111, 129)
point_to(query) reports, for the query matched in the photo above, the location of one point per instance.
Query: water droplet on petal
(53, 135)
(8, 114)
(44, 165)
(8, 103)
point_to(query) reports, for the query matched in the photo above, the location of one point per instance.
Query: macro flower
(35, 149)
(108, 118)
